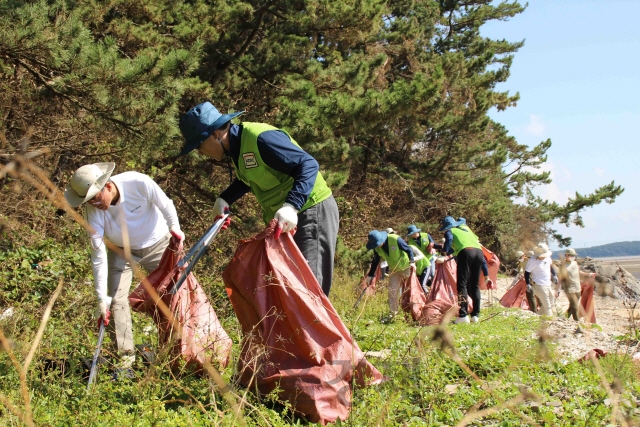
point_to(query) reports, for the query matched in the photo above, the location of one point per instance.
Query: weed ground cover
(499, 369)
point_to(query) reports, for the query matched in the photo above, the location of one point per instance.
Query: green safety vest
(397, 259)
(424, 240)
(464, 239)
(466, 228)
(270, 186)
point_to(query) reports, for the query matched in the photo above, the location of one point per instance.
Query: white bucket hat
(539, 251)
(86, 182)
(546, 252)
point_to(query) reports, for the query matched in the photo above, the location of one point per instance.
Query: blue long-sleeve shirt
(278, 152)
(402, 245)
(447, 248)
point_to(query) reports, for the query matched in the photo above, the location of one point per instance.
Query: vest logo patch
(394, 248)
(249, 160)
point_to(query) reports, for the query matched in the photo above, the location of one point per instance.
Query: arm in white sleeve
(98, 258)
(159, 198)
(100, 270)
(417, 253)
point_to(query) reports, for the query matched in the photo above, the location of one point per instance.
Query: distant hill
(610, 250)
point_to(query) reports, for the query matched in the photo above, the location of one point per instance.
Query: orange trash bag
(587, 305)
(372, 288)
(413, 299)
(443, 296)
(516, 296)
(493, 264)
(199, 336)
(294, 340)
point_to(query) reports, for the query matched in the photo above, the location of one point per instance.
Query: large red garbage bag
(587, 305)
(294, 339)
(493, 264)
(200, 334)
(413, 299)
(443, 295)
(516, 296)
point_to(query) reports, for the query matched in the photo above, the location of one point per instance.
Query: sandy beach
(630, 263)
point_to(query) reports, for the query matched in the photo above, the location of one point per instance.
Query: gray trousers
(316, 238)
(119, 286)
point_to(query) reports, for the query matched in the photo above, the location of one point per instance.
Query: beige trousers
(119, 286)
(395, 286)
(547, 299)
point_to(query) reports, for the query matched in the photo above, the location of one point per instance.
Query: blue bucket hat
(413, 229)
(462, 221)
(376, 238)
(448, 222)
(199, 123)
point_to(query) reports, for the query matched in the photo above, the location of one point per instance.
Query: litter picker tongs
(194, 254)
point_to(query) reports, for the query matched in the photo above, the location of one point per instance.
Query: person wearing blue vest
(424, 242)
(285, 179)
(464, 245)
(399, 257)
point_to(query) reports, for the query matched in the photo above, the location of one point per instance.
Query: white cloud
(535, 127)
(600, 172)
(629, 216)
(553, 193)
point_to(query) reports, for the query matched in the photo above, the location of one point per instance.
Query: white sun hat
(86, 182)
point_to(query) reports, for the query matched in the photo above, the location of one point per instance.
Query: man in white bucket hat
(539, 275)
(128, 204)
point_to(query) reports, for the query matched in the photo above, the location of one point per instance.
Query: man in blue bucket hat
(464, 245)
(399, 257)
(485, 268)
(283, 177)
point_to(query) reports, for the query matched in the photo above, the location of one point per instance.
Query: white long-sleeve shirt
(142, 207)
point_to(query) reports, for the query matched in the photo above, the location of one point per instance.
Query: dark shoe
(148, 355)
(122, 374)
(388, 319)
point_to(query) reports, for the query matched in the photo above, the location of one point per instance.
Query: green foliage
(502, 350)
(389, 96)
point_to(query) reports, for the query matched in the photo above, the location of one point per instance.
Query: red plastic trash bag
(294, 339)
(587, 305)
(516, 296)
(493, 264)
(372, 288)
(443, 296)
(413, 299)
(597, 352)
(200, 334)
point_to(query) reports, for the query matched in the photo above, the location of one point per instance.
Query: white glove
(440, 259)
(287, 217)
(177, 233)
(101, 310)
(220, 207)
(412, 265)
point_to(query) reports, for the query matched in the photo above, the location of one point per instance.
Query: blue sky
(578, 76)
